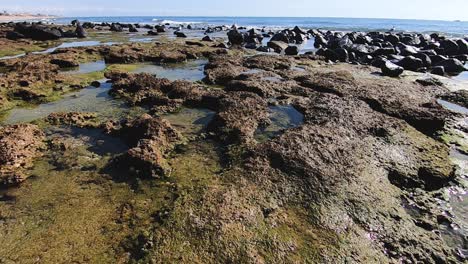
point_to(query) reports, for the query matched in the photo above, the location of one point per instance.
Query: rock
(160, 29)
(235, 37)
(96, 84)
(152, 138)
(194, 43)
(320, 42)
(291, 50)
(80, 32)
(459, 97)
(394, 39)
(280, 37)
(342, 54)
(180, 34)
(277, 46)
(264, 49)
(69, 34)
(251, 45)
(116, 27)
(19, 146)
(384, 51)
(392, 70)
(152, 33)
(406, 50)
(463, 46)
(426, 60)
(132, 28)
(438, 70)
(207, 38)
(38, 32)
(451, 65)
(450, 47)
(222, 46)
(65, 63)
(77, 119)
(299, 31)
(410, 63)
(13, 35)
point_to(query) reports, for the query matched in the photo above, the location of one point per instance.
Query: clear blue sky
(417, 9)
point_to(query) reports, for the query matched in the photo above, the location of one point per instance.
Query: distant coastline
(6, 17)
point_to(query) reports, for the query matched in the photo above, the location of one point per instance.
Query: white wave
(172, 22)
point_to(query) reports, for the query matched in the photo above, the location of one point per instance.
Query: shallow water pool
(282, 117)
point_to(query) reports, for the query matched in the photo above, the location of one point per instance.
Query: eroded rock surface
(19, 146)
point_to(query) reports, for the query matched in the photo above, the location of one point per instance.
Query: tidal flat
(124, 143)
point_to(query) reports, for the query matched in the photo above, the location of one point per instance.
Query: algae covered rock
(19, 146)
(78, 119)
(151, 139)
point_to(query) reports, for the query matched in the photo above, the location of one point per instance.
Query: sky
(406, 9)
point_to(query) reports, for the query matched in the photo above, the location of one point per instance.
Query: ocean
(453, 28)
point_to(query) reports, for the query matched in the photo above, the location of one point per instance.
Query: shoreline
(16, 18)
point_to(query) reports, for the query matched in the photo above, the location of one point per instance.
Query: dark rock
(452, 65)
(152, 33)
(62, 63)
(406, 50)
(438, 70)
(426, 60)
(132, 29)
(278, 46)
(251, 45)
(450, 47)
(116, 27)
(222, 46)
(96, 84)
(410, 63)
(291, 50)
(342, 54)
(394, 39)
(437, 58)
(280, 37)
(80, 32)
(235, 37)
(384, 51)
(463, 46)
(264, 49)
(38, 32)
(180, 34)
(13, 35)
(207, 38)
(392, 70)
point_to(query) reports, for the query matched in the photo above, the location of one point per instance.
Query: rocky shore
(359, 168)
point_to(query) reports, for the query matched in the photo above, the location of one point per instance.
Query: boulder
(80, 32)
(180, 34)
(463, 46)
(235, 37)
(342, 54)
(410, 63)
(277, 46)
(392, 70)
(280, 37)
(38, 32)
(452, 65)
(291, 50)
(132, 28)
(450, 47)
(438, 70)
(13, 35)
(116, 27)
(63, 63)
(207, 38)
